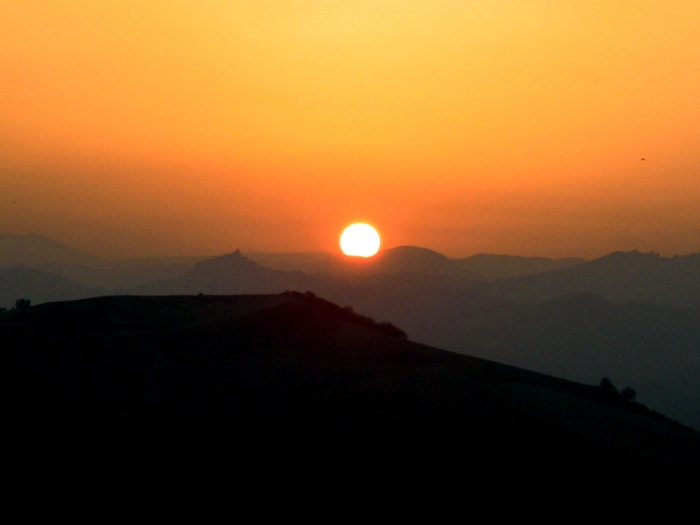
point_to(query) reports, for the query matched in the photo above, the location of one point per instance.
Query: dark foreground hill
(581, 337)
(262, 379)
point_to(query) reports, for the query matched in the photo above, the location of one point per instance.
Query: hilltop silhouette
(232, 273)
(292, 375)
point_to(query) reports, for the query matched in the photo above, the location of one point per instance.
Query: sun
(360, 240)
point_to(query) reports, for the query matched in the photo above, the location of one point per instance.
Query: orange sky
(175, 127)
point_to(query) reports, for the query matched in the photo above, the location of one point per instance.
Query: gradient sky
(183, 127)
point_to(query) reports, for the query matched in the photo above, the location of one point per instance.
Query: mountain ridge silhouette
(528, 321)
(33, 249)
(619, 277)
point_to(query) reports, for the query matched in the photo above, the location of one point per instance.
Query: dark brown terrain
(271, 378)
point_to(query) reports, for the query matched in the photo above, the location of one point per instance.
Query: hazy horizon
(564, 129)
(333, 251)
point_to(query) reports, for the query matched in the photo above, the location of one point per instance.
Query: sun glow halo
(359, 240)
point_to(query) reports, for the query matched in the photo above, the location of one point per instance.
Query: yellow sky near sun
(461, 125)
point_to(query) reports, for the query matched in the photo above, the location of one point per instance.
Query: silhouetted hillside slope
(307, 262)
(414, 260)
(227, 274)
(401, 260)
(121, 274)
(262, 378)
(619, 277)
(581, 337)
(46, 255)
(39, 287)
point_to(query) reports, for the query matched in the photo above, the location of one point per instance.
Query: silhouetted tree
(607, 386)
(628, 393)
(346, 312)
(613, 396)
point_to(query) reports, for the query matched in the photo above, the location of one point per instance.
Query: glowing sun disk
(360, 240)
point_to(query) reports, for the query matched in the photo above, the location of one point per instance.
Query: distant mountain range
(32, 250)
(491, 267)
(413, 260)
(41, 253)
(229, 274)
(83, 269)
(619, 277)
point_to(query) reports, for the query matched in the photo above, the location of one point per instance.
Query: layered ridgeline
(33, 250)
(69, 267)
(86, 270)
(632, 317)
(414, 260)
(619, 277)
(27, 264)
(582, 322)
(228, 380)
